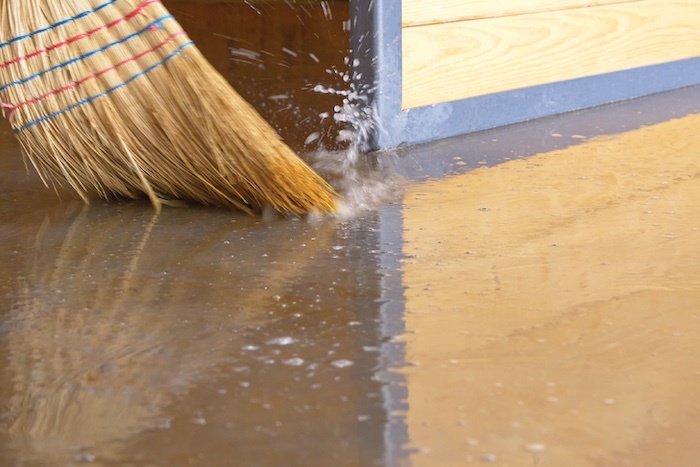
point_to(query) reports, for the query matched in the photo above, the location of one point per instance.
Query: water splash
(329, 115)
(354, 172)
(355, 114)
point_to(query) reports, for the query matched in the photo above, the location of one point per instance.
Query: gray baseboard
(376, 52)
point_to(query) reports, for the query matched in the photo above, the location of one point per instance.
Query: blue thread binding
(58, 24)
(105, 93)
(87, 55)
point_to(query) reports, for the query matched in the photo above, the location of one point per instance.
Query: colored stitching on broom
(96, 75)
(139, 10)
(107, 92)
(58, 24)
(87, 55)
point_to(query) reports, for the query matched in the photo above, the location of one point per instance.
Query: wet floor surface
(553, 306)
(532, 298)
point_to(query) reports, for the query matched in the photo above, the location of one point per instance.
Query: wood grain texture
(554, 319)
(420, 12)
(452, 61)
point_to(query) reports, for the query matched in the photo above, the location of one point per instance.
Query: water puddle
(124, 331)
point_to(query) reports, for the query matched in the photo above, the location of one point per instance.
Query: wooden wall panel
(422, 12)
(457, 60)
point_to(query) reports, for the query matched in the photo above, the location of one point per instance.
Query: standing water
(202, 336)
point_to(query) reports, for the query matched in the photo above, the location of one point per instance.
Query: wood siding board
(453, 61)
(421, 12)
(401, 127)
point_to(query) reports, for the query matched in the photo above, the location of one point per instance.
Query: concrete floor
(531, 298)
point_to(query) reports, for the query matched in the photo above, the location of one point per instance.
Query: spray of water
(355, 115)
(350, 124)
(354, 172)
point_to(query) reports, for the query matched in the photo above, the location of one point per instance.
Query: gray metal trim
(376, 51)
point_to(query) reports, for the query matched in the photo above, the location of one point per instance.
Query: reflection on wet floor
(125, 332)
(532, 300)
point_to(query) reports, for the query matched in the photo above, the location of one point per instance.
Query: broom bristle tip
(122, 104)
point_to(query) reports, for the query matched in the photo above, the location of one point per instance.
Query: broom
(112, 98)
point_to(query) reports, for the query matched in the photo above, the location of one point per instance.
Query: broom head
(112, 98)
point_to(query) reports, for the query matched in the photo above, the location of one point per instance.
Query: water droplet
(535, 447)
(342, 363)
(282, 341)
(294, 362)
(312, 137)
(289, 52)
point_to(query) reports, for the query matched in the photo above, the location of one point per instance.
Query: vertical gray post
(376, 54)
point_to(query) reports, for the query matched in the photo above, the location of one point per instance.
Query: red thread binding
(93, 76)
(139, 10)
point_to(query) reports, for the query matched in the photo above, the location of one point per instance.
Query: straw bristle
(112, 97)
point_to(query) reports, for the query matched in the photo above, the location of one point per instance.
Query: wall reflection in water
(133, 337)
